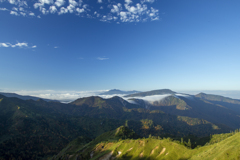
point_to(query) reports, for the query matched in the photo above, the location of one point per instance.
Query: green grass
(226, 149)
(221, 146)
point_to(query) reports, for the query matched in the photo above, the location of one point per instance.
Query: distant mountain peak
(117, 91)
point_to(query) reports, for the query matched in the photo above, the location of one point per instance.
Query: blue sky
(67, 45)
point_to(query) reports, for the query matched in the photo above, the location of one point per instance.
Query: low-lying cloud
(62, 96)
(68, 96)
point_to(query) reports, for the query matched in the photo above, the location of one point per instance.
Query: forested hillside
(52, 125)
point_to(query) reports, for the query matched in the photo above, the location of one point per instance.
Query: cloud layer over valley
(68, 96)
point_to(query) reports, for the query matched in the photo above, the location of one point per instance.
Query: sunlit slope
(112, 146)
(228, 148)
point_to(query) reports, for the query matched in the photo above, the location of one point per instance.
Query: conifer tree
(189, 143)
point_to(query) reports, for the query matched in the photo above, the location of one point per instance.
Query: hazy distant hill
(151, 93)
(25, 97)
(217, 98)
(116, 91)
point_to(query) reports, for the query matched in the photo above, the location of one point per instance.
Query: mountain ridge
(151, 93)
(117, 91)
(26, 97)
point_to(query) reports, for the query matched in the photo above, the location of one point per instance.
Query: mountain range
(52, 125)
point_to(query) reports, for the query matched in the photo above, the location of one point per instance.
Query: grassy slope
(152, 149)
(226, 149)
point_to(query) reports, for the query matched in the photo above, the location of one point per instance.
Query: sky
(73, 46)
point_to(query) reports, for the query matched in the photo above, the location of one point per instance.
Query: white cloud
(63, 96)
(154, 98)
(80, 10)
(123, 14)
(85, 6)
(59, 3)
(44, 11)
(22, 13)
(71, 8)
(149, 1)
(133, 13)
(115, 9)
(52, 9)
(3, 9)
(125, 11)
(132, 9)
(4, 45)
(41, 3)
(12, 1)
(18, 2)
(31, 14)
(38, 5)
(46, 1)
(102, 58)
(63, 10)
(14, 8)
(21, 9)
(14, 13)
(73, 2)
(155, 19)
(128, 1)
(147, 99)
(56, 47)
(20, 45)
